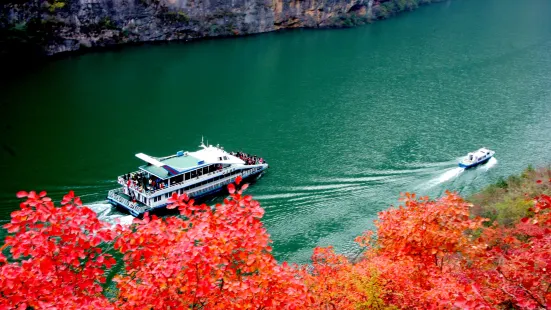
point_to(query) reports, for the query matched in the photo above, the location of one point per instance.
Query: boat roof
(481, 151)
(183, 162)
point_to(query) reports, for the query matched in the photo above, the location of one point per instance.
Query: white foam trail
(100, 208)
(126, 220)
(320, 187)
(491, 163)
(444, 177)
(356, 180)
(450, 174)
(278, 196)
(107, 213)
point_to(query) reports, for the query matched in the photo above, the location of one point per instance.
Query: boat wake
(490, 164)
(107, 213)
(454, 173)
(443, 177)
(448, 175)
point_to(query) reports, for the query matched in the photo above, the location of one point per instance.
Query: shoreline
(63, 44)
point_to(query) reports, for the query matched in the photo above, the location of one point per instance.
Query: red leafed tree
(416, 260)
(209, 258)
(56, 259)
(336, 283)
(423, 248)
(516, 268)
(424, 255)
(434, 255)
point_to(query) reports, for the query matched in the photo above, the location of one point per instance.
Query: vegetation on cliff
(426, 254)
(35, 27)
(508, 200)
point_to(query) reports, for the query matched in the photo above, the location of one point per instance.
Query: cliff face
(54, 26)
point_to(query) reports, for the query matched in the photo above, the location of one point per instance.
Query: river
(348, 119)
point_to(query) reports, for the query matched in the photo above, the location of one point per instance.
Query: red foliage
(57, 258)
(422, 248)
(334, 282)
(426, 255)
(419, 249)
(516, 267)
(211, 258)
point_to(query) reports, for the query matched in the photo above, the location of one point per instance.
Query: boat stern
(118, 198)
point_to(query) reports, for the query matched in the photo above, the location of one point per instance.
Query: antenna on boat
(203, 143)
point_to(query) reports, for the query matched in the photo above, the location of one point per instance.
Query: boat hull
(475, 164)
(161, 209)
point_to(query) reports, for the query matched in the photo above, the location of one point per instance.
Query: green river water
(346, 118)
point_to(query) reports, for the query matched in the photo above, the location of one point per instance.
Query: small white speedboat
(476, 158)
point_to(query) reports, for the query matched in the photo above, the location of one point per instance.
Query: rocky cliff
(54, 26)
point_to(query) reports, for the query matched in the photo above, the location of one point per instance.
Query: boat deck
(122, 199)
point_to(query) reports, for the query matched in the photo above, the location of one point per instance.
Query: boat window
(187, 175)
(177, 179)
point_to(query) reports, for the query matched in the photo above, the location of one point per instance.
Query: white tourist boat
(476, 158)
(204, 172)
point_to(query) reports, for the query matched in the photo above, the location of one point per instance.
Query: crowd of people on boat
(248, 159)
(140, 182)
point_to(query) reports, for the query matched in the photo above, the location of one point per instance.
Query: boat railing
(198, 178)
(208, 187)
(170, 188)
(114, 195)
(203, 176)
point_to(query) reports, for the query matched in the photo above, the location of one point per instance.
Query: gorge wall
(54, 26)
